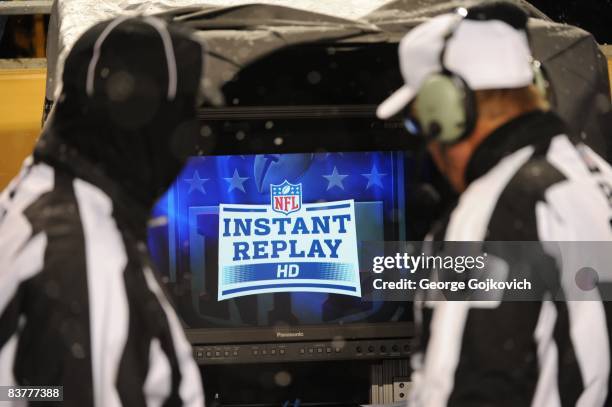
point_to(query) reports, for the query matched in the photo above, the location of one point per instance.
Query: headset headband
(161, 29)
(451, 32)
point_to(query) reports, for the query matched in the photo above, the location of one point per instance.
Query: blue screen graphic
(184, 241)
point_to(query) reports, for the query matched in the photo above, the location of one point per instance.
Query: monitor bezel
(300, 333)
(383, 136)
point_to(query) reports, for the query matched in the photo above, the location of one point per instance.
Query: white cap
(487, 54)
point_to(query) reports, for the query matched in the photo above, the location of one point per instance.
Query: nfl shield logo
(286, 197)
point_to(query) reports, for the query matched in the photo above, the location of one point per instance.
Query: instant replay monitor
(259, 247)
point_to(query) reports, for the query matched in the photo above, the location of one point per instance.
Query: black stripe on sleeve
(569, 377)
(498, 364)
(54, 344)
(9, 319)
(148, 321)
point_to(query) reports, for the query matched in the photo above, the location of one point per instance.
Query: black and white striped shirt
(79, 304)
(527, 182)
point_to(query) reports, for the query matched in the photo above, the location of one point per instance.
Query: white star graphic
(196, 183)
(335, 179)
(374, 177)
(236, 182)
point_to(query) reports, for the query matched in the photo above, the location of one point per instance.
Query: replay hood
(239, 36)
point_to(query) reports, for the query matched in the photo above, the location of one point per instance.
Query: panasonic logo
(289, 334)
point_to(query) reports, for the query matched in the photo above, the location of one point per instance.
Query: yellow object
(22, 93)
(610, 72)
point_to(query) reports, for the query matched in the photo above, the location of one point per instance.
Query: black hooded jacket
(127, 107)
(80, 306)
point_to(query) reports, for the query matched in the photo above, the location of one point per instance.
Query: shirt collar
(533, 128)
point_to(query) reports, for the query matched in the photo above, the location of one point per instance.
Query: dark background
(592, 15)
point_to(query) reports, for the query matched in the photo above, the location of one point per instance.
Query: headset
(446, 106)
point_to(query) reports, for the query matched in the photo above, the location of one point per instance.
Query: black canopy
(238, 36)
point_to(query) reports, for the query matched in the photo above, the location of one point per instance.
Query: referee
(80, 306)
(473, 91)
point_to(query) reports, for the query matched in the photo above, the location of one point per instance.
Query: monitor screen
(258, 241)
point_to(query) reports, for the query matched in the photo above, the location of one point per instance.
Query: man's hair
(495, 102)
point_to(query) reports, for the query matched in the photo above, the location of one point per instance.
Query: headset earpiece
(445, 107)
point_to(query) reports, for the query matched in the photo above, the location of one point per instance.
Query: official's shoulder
(531, 181)
(469, 220)
(514, 215)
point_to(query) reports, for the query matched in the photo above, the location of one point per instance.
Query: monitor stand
(324, 383)
(390, 381)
